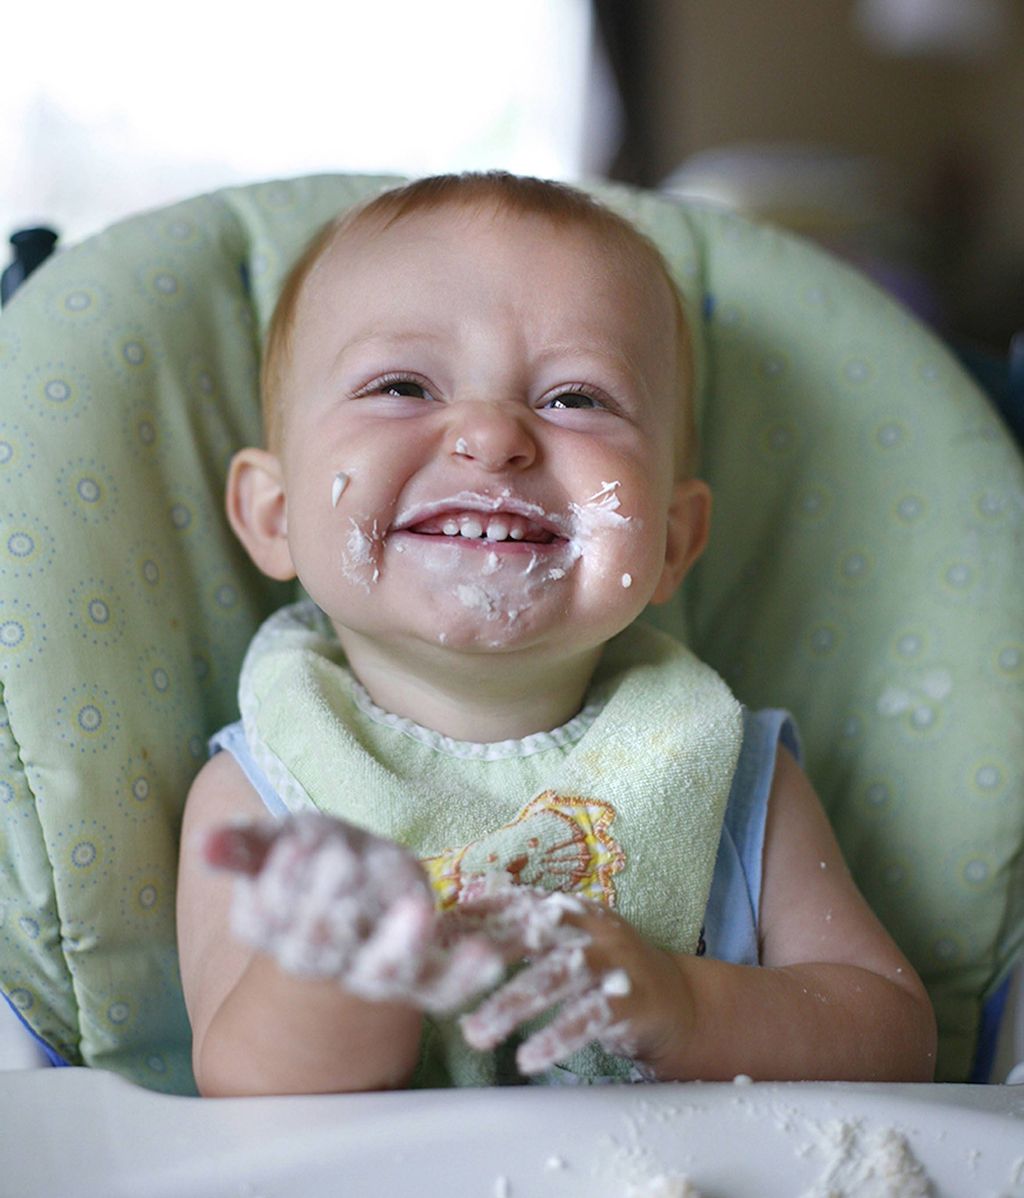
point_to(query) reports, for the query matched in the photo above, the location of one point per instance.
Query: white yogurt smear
(341, 481)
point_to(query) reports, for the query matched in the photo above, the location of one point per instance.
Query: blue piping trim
(51, 1054)
(988, 1035)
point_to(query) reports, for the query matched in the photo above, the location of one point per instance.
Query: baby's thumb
(241, 850)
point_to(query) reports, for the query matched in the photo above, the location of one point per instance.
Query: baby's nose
(493, 436)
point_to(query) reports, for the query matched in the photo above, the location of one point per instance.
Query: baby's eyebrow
(385, 343)
(616, 359)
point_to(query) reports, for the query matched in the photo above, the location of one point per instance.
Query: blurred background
(892, 131)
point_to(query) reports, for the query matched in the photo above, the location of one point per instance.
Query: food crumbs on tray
(665, 1187)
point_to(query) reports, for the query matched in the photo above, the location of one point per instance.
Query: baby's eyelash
(393, 380)
(599, 398)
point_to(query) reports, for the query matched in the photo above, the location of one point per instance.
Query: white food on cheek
(627, 580)
(601, 510)
(359, 559)
(599, 514)
(341, 481)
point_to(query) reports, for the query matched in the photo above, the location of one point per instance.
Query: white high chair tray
(91, 1134)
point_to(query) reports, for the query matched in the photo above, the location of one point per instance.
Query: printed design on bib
(557, 842)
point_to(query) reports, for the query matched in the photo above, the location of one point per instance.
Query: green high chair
(866, 570)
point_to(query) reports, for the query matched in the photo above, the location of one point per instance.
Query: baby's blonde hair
(503, 194)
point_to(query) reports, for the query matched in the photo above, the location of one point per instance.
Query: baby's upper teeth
(496, 526)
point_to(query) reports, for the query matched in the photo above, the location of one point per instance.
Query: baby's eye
(574, 400)
(396, 386)
(403, 389)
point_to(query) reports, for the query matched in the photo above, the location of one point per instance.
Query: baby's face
(479, 432)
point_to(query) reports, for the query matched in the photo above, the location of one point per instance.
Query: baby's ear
(258, 511)
(689, 522)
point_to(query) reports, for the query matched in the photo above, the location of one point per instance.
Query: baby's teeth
(472, 528)
(497, 530)
(516, 534)
(450, 528)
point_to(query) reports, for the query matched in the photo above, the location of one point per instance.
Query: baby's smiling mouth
(482, 526)
(483, 519)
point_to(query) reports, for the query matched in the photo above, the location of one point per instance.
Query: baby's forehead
(602, 253)
(598, 236)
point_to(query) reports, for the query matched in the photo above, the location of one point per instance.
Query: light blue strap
(232, 740)
(733, 911)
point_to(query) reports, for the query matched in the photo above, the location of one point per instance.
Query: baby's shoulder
(220, 793)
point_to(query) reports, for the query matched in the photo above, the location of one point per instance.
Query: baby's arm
(308, 970)
(833, 999)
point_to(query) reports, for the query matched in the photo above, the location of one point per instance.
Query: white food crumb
(475, 598)
(341, 481)
(742, 1079)
(615, 983)
(665, 1187)
(627, 580)
(870, 1163)
(553, 1163)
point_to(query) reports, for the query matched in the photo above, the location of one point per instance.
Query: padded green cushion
(865, 571)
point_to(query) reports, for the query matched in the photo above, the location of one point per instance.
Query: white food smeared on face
(340, 482)
(517, 547)
(599, 512)
(360, 559)
(522, 548)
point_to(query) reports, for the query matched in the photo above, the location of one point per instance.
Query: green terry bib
(623, 806)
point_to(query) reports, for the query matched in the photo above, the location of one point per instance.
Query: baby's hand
(612, 984)
(328, 900)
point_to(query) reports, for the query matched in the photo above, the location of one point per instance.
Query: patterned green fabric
(866, 570)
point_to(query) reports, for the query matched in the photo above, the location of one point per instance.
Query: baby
(464, 780)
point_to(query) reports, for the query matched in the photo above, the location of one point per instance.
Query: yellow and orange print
(557, 842)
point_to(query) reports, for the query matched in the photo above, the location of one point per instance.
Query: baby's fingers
(240, 850)
(588, 1018)
(556, 977)
(391, 960)
(524, 921)
(460, 974)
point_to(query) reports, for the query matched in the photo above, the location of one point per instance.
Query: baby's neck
(480, 698)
